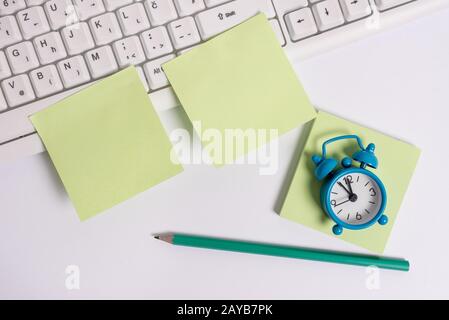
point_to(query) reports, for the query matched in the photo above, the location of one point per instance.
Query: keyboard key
(300, 24)
(73, 71)
(387, 4)
(128, 51)
(60, 13)
(49, 47)
(188, 7)
(156, 42)
(3, 105)
(18, 90)
(111, 5)
(11, 6)
(89, 8)
(5, 71)
(355, 9)
(105, 28)
(183, 32)
(101, 61)
(155, 75)
(160, 11)
(46, 81)
(133, 19)
(77, 38)
(32, 22)
(328, 14)
(221, 18)
(142, 78)
(9, 31)
(277, 30)
(22, 57)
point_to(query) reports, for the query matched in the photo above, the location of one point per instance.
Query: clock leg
(337, 229)
(383, 220)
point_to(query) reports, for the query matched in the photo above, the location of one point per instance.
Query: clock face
(355, 198)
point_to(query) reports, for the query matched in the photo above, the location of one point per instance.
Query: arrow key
(328, 14)
(300, 24)
(129, 51)
(355, 9)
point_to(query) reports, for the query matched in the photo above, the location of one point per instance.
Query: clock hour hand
(342, 202)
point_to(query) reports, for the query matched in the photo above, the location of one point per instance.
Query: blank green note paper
(397, 161)
(106, 143)
(240, 79)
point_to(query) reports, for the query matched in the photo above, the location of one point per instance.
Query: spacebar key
(221, 18)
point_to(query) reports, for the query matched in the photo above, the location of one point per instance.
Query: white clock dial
(355, 198)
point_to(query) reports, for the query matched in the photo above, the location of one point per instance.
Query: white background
(396, 82)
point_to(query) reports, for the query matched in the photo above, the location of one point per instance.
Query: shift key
(216, 20)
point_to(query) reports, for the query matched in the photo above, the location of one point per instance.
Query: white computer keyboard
(49, 49)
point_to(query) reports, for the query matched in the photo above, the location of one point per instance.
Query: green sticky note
(239, 80)
(106, 143)
(397, 161)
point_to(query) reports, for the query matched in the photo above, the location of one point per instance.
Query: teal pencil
(285, 251)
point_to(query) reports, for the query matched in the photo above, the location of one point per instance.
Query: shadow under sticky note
(239, 80)
(106, 143)
(397, 162)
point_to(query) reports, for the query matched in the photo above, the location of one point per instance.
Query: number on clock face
(355, 198)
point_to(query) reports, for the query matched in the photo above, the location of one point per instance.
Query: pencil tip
(156, 237)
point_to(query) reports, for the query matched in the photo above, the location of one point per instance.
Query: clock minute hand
(341, 185)
(348, 183)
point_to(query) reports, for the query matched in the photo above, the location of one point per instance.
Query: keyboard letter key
(60, 13)
(49, 47)
(33, 22)
(22, 57)
(77, 38)
(101, 61)
(105, 28)
(46, 81)
(73, 71)
(160, 11)
(18, 90)
(133, 19)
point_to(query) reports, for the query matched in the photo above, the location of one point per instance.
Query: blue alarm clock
(352, 196)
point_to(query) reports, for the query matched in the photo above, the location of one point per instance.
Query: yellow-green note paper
(106, 143)
(239, 80)
(397, 162)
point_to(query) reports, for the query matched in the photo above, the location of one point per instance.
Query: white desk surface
(396, 82)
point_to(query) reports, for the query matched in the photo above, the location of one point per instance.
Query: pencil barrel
(291, 252)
